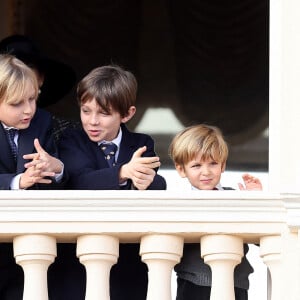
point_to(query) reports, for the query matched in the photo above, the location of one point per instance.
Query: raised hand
(43, 161)
(140, 169)
(251, 183)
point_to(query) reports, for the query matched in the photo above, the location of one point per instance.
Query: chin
(23, 126)
(95, 139)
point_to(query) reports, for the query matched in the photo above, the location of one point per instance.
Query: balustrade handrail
(151, 211)
(161, 221)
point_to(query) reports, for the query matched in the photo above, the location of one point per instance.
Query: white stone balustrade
(222, 253)
(161, 253)
(35, 253)
(161, 221)
(97, 253)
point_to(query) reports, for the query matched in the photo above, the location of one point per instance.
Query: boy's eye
(84, 110)
(196, 166)
(104, 113)
(16, 104)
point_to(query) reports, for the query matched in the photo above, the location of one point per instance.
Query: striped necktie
(10, 136)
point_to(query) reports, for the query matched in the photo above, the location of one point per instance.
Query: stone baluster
(160, 253)
(222, 253)
(270, 251)
(97, 253)
(35, 253)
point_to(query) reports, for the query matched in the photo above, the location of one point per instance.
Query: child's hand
(251, 183)
(140, 169)
(43, 161)
(32, 176)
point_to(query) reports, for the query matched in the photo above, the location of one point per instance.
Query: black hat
(59, 77)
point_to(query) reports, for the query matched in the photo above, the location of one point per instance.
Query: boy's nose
(94, 120)
(29, 108)
(205, 170)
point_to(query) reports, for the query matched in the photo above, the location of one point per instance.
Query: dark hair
(111, 86)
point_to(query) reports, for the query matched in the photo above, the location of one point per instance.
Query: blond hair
(201, 139)
(14, 79)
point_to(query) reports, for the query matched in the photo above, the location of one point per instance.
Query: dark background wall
(206, 60)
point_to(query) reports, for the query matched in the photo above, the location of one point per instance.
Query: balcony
(161, 221)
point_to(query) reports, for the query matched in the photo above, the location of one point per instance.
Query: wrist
(123, 174)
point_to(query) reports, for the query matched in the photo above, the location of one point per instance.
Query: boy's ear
(180, 170)
(223, 166)
(130, 114)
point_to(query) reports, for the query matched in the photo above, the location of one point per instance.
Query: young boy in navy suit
(199, 154)
(28, 157)
(106, 97)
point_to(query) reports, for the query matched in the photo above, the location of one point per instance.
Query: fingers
(142, 180)
(32, 176)
(241, 187)
(31, 156)
(139, 152)
(37, 163)
(39, 149)
(152, 162)
(251, 182)
(153, 165)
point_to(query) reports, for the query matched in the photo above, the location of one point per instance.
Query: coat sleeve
(159, 182)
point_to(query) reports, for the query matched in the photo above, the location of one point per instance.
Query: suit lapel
(127, 146)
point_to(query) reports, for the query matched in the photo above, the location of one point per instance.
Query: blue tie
(109, 150)
(10, 136)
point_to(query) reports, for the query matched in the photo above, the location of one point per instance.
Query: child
(106, 97)
(28, 159)
(24, 160)
(199, 153)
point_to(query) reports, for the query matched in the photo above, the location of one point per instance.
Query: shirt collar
(116, 141)
(8, 127)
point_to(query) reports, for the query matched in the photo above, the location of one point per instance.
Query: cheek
(83, 118)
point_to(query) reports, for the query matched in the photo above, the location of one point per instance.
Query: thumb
(241, 187)
(38, 146)
(139, 152)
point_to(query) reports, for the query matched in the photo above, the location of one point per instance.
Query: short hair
(202, 139)
(14, 78)
(111, 86)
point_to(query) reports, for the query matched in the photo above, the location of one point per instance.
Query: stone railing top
(69, 213)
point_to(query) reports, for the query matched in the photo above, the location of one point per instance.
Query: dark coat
(87, 167)
(41, 128)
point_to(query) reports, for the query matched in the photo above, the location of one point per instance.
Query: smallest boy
(200, 153)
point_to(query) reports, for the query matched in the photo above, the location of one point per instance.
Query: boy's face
(19, 113)
(203, 175)
(97, 124)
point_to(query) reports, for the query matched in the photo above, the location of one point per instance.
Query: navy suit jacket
(41, 128)
(87, 167)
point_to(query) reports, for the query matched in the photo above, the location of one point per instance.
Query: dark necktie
(109, 150)
(10, 136)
